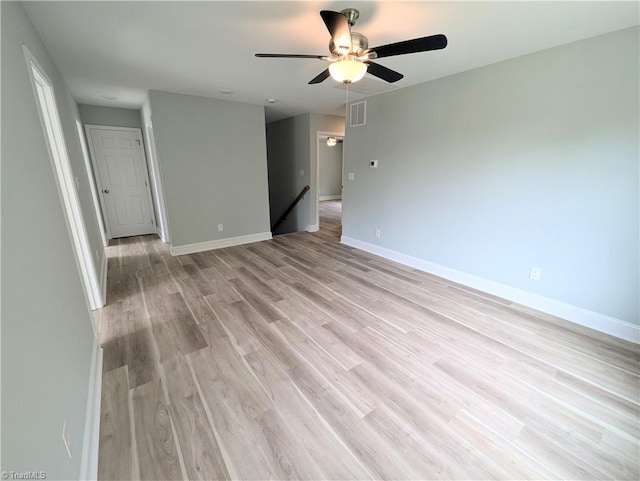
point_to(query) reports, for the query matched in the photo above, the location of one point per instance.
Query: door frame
(56, 143)
(96, 172)
(92, 186)
(162, 224)
(325, 133)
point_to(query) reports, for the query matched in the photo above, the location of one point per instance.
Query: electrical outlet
(378, 233)
(66, 438)
(220, 228)
(351, 176)
(535, 273)
(373, 164)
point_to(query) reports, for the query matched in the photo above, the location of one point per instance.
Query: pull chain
(346, 106)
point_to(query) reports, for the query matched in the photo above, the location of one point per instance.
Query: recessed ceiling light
(226, 92)
(109, 97)
(272, 101)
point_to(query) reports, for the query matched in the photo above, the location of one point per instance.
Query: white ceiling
(123, 49)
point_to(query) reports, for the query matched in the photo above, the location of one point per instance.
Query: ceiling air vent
(358, 114)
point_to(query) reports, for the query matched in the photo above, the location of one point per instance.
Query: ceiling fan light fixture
(332, 141)
(348, 69)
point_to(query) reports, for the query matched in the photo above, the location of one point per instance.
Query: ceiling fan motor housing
(359, 45)
(352, 15)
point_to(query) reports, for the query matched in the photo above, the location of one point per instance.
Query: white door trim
(322, 133)
(96, 171)
(156, 178)
(45, 100)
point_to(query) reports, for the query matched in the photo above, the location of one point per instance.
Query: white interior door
(123, 180)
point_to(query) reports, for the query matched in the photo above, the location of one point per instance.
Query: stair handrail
(283, 217)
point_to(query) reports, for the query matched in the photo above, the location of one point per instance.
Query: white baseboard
(219, 244)
(89, 460)
(313, 228)
(594, 320)
(330, 197)
(103, 279)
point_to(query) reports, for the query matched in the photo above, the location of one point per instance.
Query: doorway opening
(330, 179)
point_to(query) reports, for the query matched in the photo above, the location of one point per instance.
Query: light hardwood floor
(300, 358)
(331, 215)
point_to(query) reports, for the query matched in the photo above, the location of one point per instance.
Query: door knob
(106, 191)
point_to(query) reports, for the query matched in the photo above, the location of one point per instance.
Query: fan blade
(383, 72)
(423, 44)
(339, 29)
(290, 55)
(320, 78)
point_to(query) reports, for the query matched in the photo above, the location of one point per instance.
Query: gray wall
(330, 169)
(46, 326)
(528, 162)
(213, 164)
(110, 116)
(288, 153)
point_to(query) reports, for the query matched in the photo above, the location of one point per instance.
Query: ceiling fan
(351, 56)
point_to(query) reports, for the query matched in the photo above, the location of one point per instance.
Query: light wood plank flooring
(331, 215)
(300, 358)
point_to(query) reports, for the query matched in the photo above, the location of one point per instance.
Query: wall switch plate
(220, 227)
(66, 438)
(301, 172)
(378, 233)
(535, 273)
(373, 164)
(351, 176)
